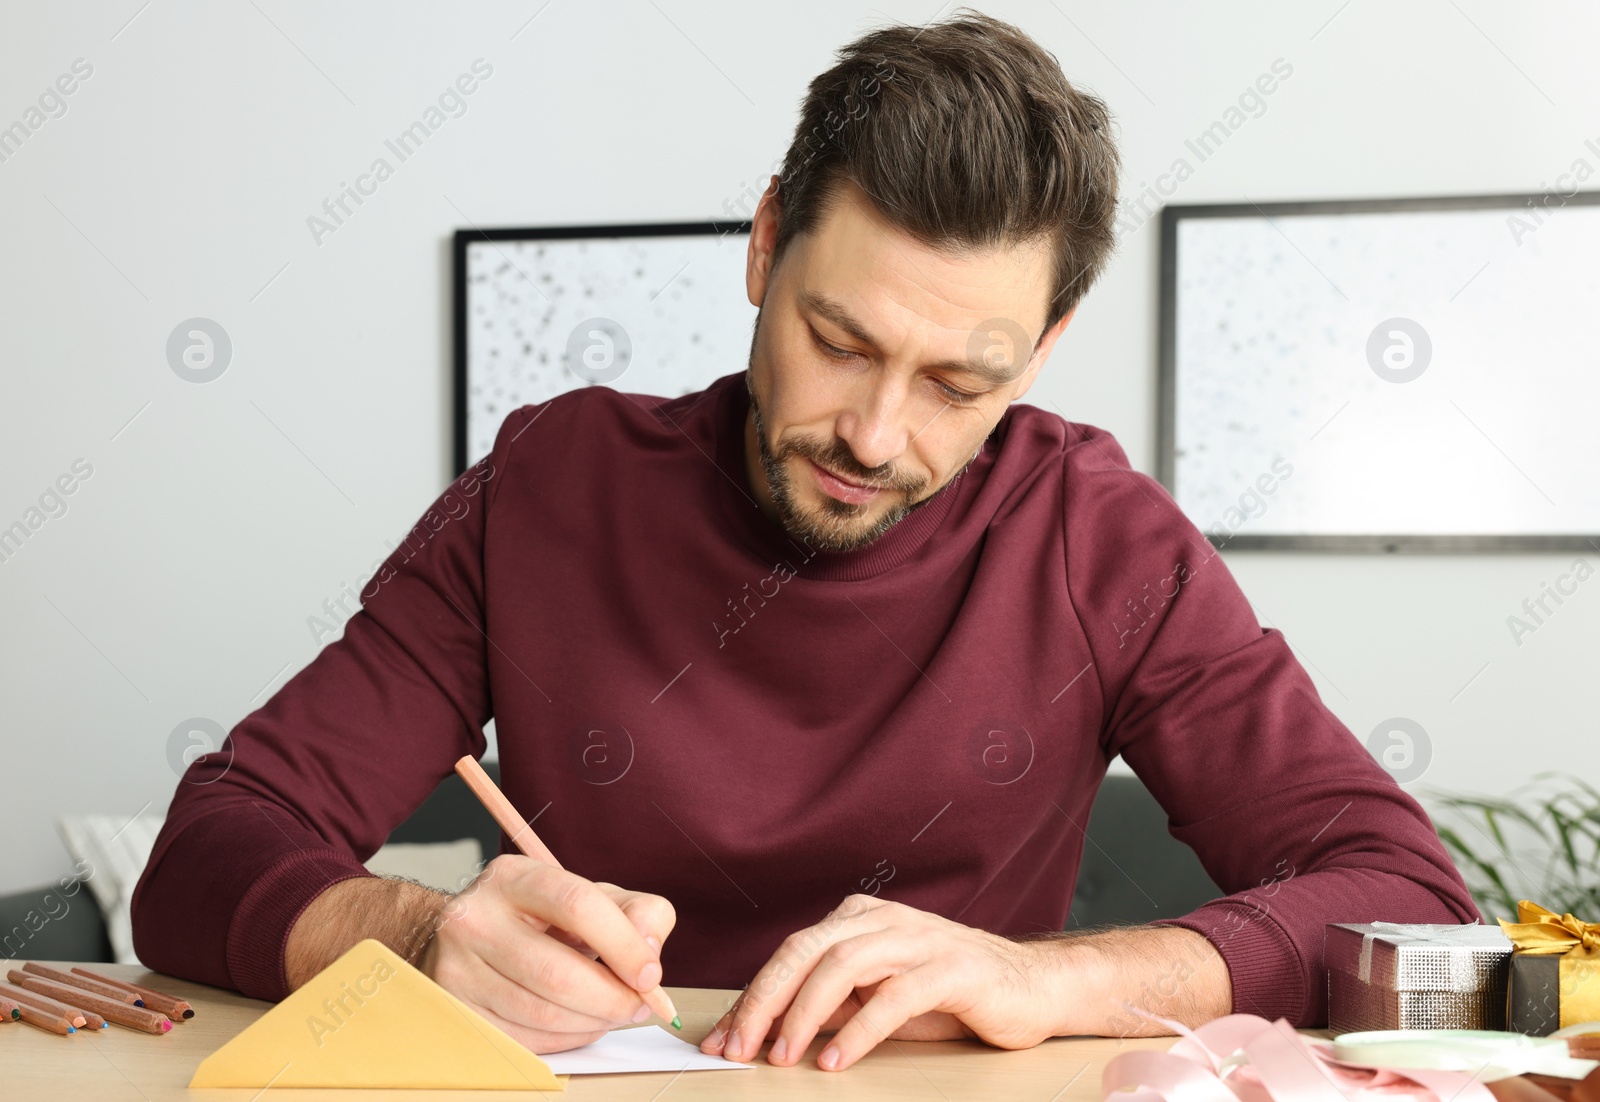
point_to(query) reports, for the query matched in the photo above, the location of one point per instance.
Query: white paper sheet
(646, 1048)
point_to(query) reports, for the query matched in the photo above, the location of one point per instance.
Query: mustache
(838, 459)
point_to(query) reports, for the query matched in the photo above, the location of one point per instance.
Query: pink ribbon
(1243, 1058)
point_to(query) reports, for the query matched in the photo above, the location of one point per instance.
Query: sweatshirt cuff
(259, 932)
(1264, 967)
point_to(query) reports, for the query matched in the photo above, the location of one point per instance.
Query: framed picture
(648, 309)
(1384, 375)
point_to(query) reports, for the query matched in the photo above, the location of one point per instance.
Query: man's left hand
(876, 970)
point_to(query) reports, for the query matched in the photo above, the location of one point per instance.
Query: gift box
(1555, 971)
(1389, 975)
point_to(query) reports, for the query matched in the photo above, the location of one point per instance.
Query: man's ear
(1041, 352)
(763, 235)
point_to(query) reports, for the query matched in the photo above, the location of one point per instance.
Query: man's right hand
(519, 945)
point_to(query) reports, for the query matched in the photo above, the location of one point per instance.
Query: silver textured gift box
(1386, 975)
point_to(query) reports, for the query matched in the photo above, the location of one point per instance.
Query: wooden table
(116, 1064)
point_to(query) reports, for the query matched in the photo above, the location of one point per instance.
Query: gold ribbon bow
(1544, 932)
(1541, 932)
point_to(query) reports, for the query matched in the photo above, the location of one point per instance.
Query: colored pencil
(173, 1007)
(9, 1011)
(72, 1014)
(516, 828)
(521, 834)
(112, 1011)
(106, 990)
(47, 1021)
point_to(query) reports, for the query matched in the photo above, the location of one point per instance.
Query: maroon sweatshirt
(695, 703)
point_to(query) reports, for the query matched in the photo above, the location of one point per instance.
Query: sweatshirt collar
(771, 542)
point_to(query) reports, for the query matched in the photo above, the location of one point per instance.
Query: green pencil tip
(677, 1022)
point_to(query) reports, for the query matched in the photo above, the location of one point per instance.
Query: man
(847, 626)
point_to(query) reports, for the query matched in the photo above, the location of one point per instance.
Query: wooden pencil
(510, 820)
(72, 1014)
(112, 1011)
(175, 1008)
(69, 979)
(9, 1011)
(522, 836)
(47, 1021)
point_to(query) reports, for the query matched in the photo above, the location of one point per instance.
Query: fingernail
(649, 976)
(780, 1048)
(641, 1014)
(829, 1058)
(735, 1047)
(653, 941)
(714, 1038)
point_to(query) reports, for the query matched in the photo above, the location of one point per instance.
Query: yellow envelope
(369, 1019)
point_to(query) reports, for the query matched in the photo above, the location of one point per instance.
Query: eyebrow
(834, 312)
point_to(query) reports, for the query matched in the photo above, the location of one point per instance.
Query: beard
(834, 525)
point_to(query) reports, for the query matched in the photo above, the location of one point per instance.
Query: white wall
(179, 181)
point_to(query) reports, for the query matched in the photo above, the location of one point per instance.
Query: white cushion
(113, 851)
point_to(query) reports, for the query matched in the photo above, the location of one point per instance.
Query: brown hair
(966, 135)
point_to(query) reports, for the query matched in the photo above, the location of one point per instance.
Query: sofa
(1133, 871)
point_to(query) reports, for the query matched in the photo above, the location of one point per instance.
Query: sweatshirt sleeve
(1287, 811)
(309, 785)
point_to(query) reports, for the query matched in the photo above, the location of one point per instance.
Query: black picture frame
(1167, 381)
(459, 291)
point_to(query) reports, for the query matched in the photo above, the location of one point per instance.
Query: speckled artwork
(646, 315)
(1422, 372)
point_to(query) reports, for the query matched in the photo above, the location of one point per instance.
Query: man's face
(879, 366)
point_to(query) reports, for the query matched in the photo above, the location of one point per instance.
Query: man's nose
(877, 428)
